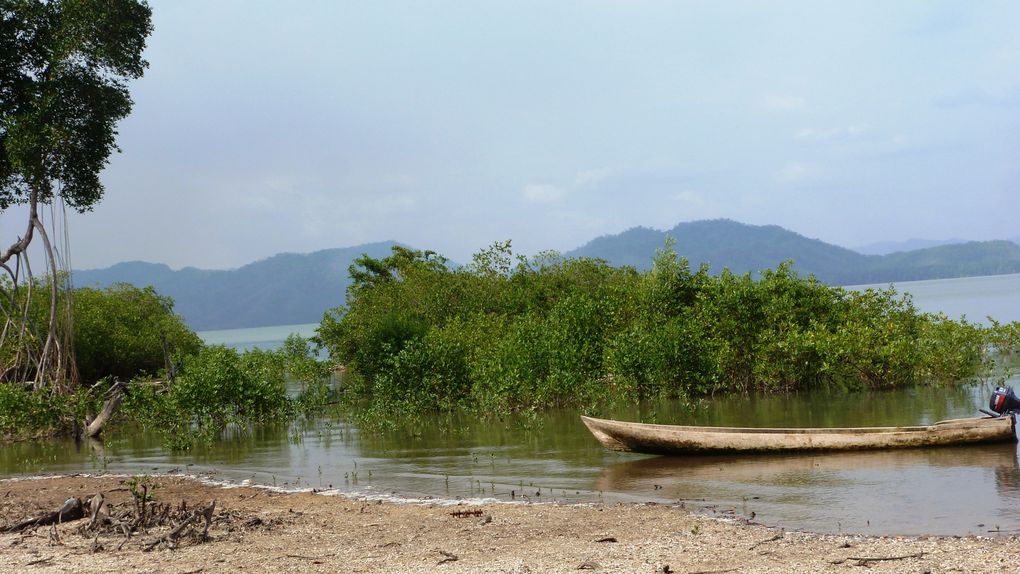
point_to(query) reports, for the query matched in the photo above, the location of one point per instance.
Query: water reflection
(915, 491)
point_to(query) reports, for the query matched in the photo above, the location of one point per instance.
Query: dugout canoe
(674, 439)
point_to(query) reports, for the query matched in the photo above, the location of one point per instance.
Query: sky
(263, 127)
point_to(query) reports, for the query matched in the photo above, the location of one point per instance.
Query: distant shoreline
(252, 335)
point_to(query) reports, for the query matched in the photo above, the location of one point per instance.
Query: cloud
(394, 202)
(831, 134)
(797, 172)
(689, 197)
(402, 180)
(785, 103)
(542, 193)
(592, 176)
(1002, 98)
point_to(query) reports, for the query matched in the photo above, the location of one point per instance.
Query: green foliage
(142, 488)
(120, 331)
(429, 372)
(418, 335)
(215, 387)
(24, 412)
(218, 387)
(27, 413)
(507, 372)
(953, 350)
(302, 366)
(64, 65)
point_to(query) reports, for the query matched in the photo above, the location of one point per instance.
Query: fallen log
(73, 509)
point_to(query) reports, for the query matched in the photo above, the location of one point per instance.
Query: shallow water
(550, 456)
(973, 298)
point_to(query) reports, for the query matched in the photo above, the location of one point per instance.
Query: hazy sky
(263, 127)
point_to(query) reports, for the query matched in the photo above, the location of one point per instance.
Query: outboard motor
(1004, 402)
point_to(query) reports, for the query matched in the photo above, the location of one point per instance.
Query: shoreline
(265, 530)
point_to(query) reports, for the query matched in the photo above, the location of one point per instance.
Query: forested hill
(742, 248)
(284, 289)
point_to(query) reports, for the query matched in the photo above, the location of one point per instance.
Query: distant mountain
(722, 243)
(284, 289)
(970, 259)
(887, 247)
(750, 248)
(297, 288)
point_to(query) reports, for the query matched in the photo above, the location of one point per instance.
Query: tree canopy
(64, 65)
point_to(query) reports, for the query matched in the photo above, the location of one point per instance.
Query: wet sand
(258, 530)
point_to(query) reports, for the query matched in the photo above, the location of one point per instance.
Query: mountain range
(284, 289)
(887, 247)
(292, 288)
(741, 248)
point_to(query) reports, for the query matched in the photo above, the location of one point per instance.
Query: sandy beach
(259, 530)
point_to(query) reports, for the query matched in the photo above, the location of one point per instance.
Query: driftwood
(766, 541)
(73, 509)
(95, 507)
(98, 520)
(864, 560)
(448, 557)
(114, 396)
(171, 537)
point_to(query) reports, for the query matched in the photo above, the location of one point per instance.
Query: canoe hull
(671, 439)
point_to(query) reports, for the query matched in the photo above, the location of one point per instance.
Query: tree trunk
(113, 398)
(42, 355)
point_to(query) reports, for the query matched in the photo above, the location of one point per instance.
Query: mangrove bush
(505, 333)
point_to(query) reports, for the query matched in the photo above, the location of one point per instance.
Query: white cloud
(785, 103)
(689, 197)
(398, 180)
(831, 134)
(795, 172)
(592, 176)
(395, 202)
(542, 193)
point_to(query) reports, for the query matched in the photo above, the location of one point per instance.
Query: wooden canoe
(672, 439)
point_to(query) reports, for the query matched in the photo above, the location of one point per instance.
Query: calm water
(257, 337)
(550, 456)
(975, 298)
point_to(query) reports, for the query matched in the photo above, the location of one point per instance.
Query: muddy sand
(258, 530)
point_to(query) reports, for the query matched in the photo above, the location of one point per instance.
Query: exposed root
(109, 526)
